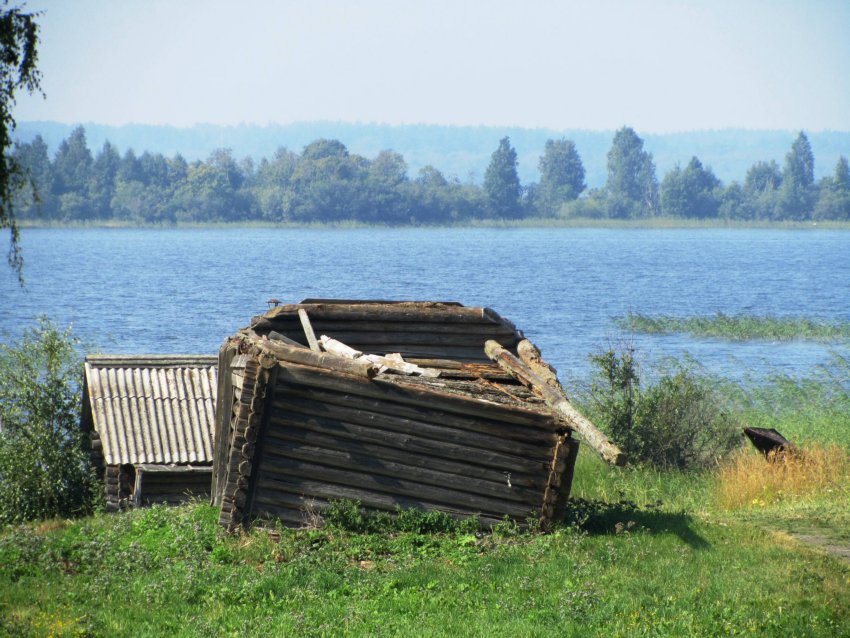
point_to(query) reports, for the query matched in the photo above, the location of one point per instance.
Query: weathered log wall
(314, 435)
(171, 487)
(442, 331)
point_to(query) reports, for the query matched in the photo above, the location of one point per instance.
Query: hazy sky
(656, 65)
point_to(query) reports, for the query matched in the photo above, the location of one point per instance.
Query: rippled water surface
(169, 291)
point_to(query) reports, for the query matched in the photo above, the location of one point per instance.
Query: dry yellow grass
(746, 479)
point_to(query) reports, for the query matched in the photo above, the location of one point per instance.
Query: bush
(680, 422)
(44, 469)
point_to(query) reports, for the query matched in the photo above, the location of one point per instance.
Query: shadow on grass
(601, 517)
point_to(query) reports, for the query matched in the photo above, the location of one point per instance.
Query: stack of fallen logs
(301, 425)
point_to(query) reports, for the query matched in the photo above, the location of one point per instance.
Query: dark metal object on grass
(768, 440)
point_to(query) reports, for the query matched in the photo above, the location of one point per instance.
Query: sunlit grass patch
(748, 479)
(739, 327)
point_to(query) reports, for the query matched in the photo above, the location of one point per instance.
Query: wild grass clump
(748, 479)
(679, 422)
(739, 327)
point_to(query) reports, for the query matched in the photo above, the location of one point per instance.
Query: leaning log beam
(557, 402)
(324, 360)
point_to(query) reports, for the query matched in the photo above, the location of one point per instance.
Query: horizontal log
(269, 491)
(483, 435)
(290, 516)
(290, 326)
(347, 459)
(558, 403)
(428, 312)
(321, 360)
(482, 463)
(467, 340)
(398, 392)
(286, 468)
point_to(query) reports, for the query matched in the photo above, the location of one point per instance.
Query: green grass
(739, 327)
(652, 572)
(643, 552)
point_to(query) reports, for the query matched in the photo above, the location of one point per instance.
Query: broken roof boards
(297, 428)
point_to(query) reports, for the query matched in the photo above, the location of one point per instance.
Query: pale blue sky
(656, 65)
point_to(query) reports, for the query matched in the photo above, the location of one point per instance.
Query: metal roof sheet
(153, 409)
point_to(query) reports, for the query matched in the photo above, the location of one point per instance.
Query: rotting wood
(394, 362)
(408, 426)
(276, 336)
(278, 467)
(530, 355)
(419, 437)
(557, 402)
(463, 445)
(291, 324)
(324, 492)
(429, 312)
(308, 330)
(543, 431)
(452, 459)
(323, 360)
(403, 391)
(384, 468)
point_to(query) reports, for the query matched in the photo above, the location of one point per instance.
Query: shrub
(44, 469)
(679, 422)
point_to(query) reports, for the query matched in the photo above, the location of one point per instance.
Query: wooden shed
(150, 422)
(393, 404)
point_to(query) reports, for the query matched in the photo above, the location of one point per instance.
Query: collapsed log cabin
(149, 420)
(392, 404)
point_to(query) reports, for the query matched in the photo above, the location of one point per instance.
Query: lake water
(185, 290)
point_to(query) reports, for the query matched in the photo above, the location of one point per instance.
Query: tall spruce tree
(501, 182)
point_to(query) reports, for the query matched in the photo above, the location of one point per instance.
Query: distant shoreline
(658, 223)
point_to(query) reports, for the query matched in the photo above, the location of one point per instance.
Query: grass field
(643, 553)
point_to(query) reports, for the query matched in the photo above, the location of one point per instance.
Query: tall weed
(747, 479)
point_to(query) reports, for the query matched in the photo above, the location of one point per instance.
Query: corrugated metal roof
(153, 409)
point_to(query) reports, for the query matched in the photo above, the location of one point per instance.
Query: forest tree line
(326, 183)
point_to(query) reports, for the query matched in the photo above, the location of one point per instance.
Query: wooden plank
(438, 455)
(328, 418)
(365, 463)
(429, 312)
(276, 336)
(478, 433)
(291, 326)
(271, 488)
(379, 337)
(558, 403)
(404, 392)
(285, 489)
(223, 413)
(308, 330)
(566, 479)
(279, 467)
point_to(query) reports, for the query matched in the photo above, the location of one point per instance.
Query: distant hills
(460, 151)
